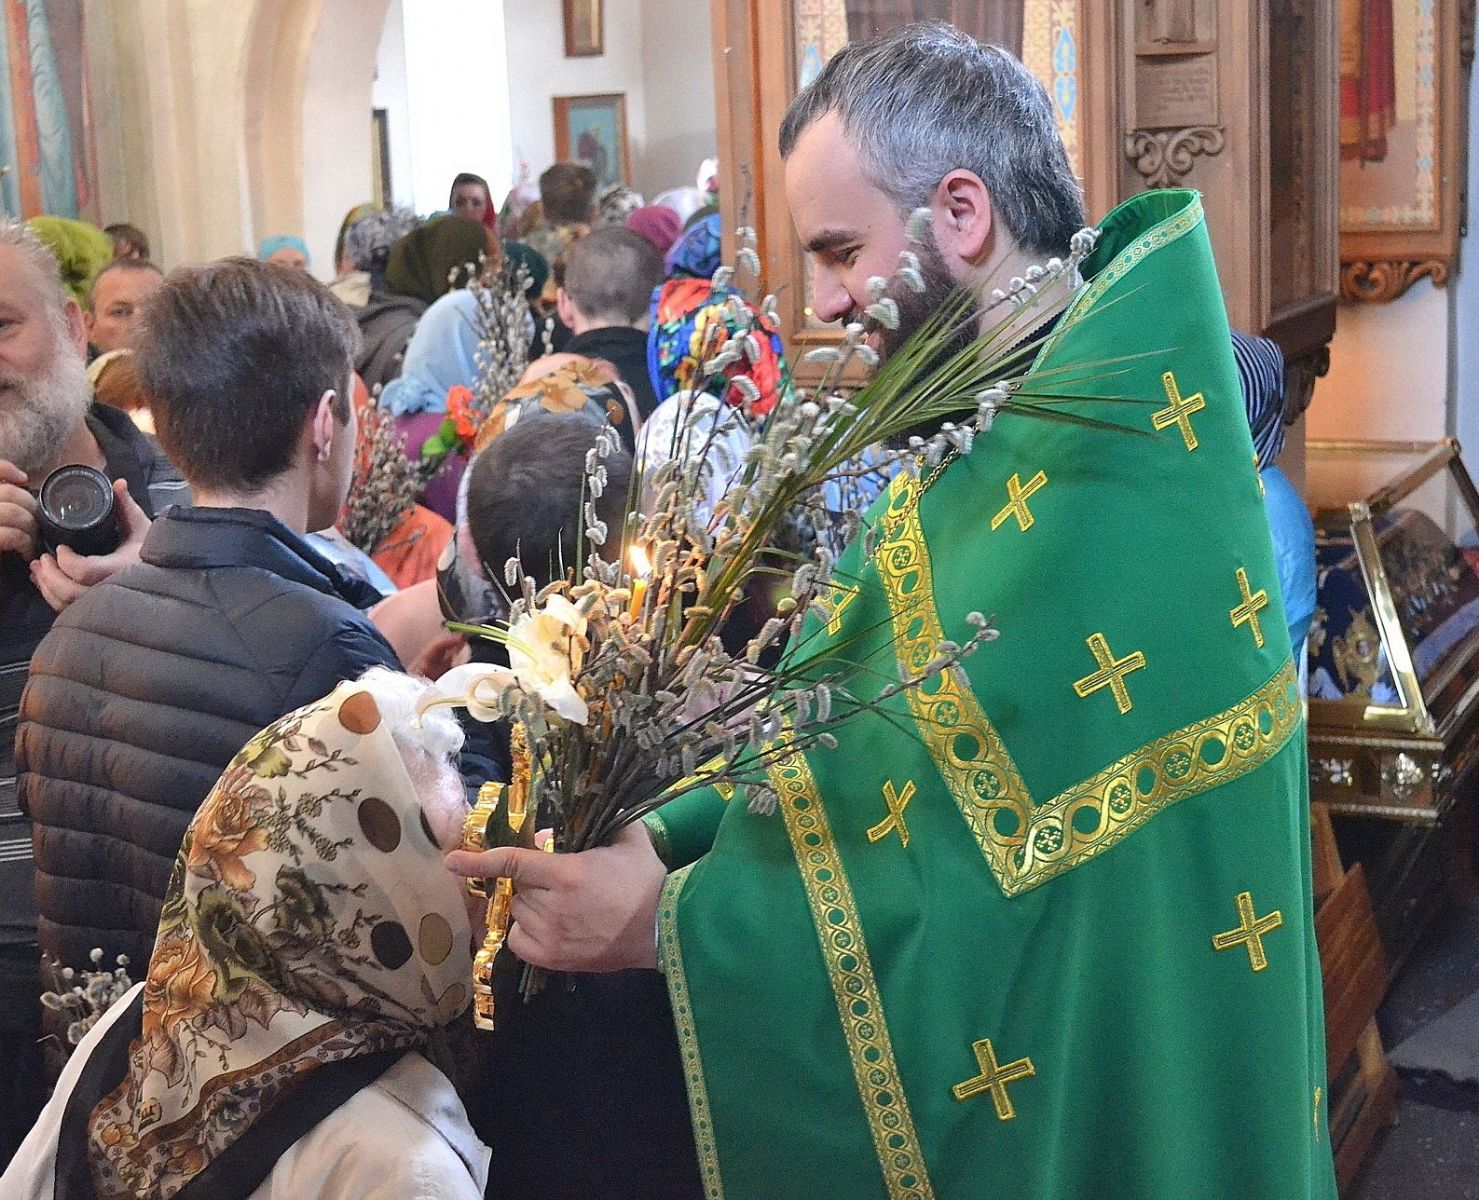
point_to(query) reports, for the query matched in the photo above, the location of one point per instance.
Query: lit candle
(641, 569)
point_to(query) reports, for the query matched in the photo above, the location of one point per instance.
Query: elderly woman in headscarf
(286, 249)
(437, 257)
(615, 204)
(312, 957)
(363, 248)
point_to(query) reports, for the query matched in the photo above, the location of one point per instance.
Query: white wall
(678, 75)
(1389, 370)
(336, 122)
(657, 53)
(538, 71)
(457, 84)
(389, 93)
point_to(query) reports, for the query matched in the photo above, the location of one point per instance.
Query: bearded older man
(47, 419)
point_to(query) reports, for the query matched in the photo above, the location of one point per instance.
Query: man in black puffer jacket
(147, 686)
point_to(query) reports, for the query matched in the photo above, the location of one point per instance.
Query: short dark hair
(524, 496)
(927, 99)
(567, 191)
(234, 356)
(128, 240)
(610, 275)
(121, 264)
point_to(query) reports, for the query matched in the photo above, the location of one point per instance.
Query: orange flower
(226, 830)
(459, 408)
(180, 986)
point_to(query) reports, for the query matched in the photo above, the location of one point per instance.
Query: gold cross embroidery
(1246, 613)
(1016, 505)
(841, 598)
(897, 802)
(1319, 1092)
(994, 1079)
(1250, 931)
(1179, 412)
(1111, 672)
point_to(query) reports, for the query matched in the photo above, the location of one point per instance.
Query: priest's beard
(915, 308)
(38, 412)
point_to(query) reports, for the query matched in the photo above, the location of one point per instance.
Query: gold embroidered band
(670, 962)
(1026, 845)
(859, 1004)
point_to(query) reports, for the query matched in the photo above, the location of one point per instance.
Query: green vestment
(1047, 933)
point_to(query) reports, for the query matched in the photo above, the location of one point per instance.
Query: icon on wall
(585, 28)
(593, 130)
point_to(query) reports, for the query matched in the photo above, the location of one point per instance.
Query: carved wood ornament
(1165, 157)
(1383, 281)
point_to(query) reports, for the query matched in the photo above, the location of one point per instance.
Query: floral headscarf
(309, 919)
(692, 322)
(588, 388)
(616, 204)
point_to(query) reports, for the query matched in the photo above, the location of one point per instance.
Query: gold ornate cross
(1247, 612)
(841, 598)
(897, 802)
(1179, 412)
(1250, 932)
(1111, 672)
(994, 1079)
(1016, 505)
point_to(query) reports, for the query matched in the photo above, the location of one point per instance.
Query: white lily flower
(544, 652)
(476, 687)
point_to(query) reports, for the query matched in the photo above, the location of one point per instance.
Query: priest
(1045, 929)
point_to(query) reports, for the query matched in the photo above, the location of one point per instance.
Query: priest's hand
(594, 911)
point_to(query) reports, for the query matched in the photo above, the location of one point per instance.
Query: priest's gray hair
(926, 100)
(20, 237)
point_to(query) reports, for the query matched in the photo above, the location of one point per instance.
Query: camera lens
(76, 504)
(76, 501)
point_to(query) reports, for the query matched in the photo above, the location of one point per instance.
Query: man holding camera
(46, 420)
(147, 687)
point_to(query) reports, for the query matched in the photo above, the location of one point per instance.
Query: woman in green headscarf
(441, 255)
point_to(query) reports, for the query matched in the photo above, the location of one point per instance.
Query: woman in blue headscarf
(1261, 374)
(286, 249)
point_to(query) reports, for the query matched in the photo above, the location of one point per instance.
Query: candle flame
(641, 563)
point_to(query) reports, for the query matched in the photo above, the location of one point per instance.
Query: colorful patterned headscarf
(695, 255)
(691, 324)
(309, 919)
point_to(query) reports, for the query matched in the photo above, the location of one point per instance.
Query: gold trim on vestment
(850, 971)
(1156, 238)
(1026, 845)
(662, 842)
(670, 963)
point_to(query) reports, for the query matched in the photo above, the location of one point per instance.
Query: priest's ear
(964, 219)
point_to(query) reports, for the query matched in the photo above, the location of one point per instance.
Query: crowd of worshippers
(224, 402)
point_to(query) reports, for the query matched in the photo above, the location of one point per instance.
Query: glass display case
(1393, 656)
